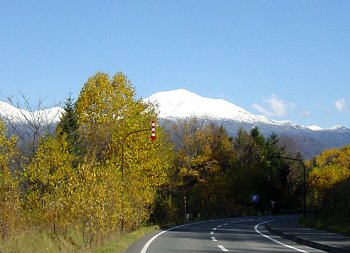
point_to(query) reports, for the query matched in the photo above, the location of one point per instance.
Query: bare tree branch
(31, 122)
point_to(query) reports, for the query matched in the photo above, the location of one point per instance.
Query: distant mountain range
(181, 104)
(10, 113)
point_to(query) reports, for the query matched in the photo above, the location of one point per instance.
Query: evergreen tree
(68, 128)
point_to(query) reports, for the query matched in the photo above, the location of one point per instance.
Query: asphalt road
(224, 235)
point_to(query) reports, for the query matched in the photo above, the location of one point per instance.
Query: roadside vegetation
(65, 192)
(46, 242)
(329, 191)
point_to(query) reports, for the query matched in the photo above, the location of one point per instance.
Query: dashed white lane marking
(274, 240)
(222, 248)
(215, 240)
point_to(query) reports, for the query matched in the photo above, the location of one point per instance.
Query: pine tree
(68, 128)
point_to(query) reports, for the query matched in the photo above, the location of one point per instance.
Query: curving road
(224, 235)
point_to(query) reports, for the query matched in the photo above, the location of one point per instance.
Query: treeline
(73, 178)
(216, 175)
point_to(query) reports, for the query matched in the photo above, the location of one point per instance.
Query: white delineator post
(153, 129)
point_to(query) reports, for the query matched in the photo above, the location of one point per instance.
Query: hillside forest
(99, 174)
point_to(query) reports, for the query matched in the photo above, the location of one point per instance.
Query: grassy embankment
(331, 224)
(33, 242)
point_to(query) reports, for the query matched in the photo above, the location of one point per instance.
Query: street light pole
(122, 167)
(304, 180)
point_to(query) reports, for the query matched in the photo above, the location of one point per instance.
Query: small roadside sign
(255, 198)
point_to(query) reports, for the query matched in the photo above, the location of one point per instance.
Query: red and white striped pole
(153, 128)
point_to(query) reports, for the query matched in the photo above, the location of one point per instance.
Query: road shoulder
(322, 240)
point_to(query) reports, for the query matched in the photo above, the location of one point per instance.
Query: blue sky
(284, 59)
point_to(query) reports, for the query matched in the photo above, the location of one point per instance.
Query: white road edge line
(274, 240)
(214, 239)
(222, 248)
(145, 247)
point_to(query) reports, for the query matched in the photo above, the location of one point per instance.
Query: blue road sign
(255, 198)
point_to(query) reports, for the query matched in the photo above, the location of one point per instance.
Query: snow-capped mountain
(315, 128)
(9, 112)
(181, 103)
(172, 105)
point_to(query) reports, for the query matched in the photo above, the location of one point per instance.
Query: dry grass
(34, 242)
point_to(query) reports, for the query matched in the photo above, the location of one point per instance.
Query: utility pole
(153, 137)
(304, 180)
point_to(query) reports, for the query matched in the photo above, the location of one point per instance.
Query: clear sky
(285, 59)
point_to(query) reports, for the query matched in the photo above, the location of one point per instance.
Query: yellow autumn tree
(111, 117)
(328, 169)
(203, 153)
(49, 176)
(9, 191)
(95, 199)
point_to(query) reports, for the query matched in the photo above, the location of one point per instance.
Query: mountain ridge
(18, 116)
(309, 140)
(181, 103)
(174, 104)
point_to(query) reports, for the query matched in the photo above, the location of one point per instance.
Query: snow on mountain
(174, 104)
(182, 103)
(10, 112)
(315, 128)
(336, 127)
(13, 114)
